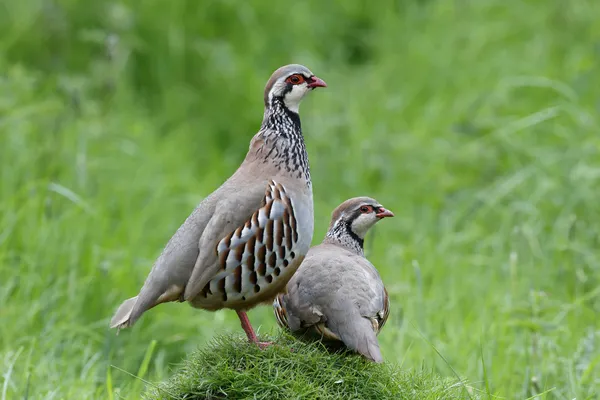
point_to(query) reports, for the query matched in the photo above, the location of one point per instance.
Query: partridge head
(289, 84)
(337, 295)
(245, 240)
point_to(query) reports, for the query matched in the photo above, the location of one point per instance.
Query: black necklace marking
(284, 143)
(343, 234)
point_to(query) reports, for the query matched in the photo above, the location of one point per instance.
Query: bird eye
(365, 209)
(295, 79)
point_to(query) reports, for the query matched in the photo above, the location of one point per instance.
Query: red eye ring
(295, 79)
(365, 209)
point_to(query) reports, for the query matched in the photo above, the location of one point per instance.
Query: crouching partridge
(337, 295)
(243, 242)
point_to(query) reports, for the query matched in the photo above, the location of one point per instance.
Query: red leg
(249, 331)
(247, 326)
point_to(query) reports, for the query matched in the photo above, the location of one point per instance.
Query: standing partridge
(243, 242)
(337, 295)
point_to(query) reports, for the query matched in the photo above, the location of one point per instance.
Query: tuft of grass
(229, 367)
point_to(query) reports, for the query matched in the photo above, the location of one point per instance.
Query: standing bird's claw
(263, 345)
(250, 331)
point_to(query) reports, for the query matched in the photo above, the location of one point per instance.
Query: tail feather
(356, 332)
(370, 349)
(122, 318)
(150, 296)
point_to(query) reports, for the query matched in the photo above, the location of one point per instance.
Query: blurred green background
(476, 122)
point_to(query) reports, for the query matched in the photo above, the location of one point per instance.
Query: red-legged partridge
(337, 295)
(243, 242)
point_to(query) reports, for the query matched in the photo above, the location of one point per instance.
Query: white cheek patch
(362, 224)
(292, 99)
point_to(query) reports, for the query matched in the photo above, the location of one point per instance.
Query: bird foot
(263, 345)
(250, 331)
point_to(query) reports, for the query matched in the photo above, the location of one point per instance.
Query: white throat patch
(362, 224)
(293, 98)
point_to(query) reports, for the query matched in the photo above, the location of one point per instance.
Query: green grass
(231, 368)
(475, 122)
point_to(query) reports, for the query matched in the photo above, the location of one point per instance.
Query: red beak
(382, 213)
(316, 82)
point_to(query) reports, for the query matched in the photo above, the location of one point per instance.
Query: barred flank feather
(280, 313)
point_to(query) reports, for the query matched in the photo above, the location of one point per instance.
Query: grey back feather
(339, 289)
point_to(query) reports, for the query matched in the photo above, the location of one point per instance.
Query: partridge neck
(342, 235)
(283, 141)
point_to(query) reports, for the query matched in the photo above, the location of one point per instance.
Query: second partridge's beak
(316, 82)
(382, 213)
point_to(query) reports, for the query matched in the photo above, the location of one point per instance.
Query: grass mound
(231, 368)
